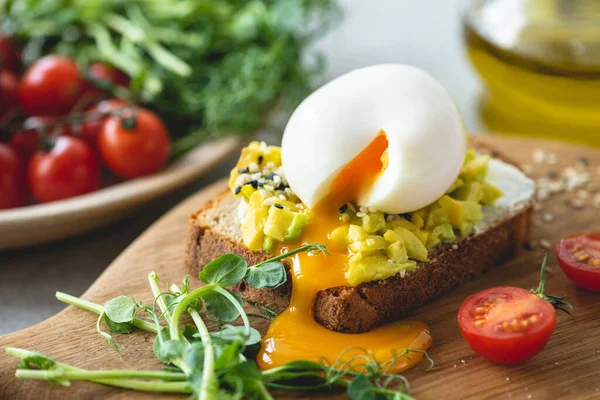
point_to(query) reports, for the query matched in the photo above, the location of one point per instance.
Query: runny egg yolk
(295, 335)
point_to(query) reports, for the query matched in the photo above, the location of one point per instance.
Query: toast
(215, 230)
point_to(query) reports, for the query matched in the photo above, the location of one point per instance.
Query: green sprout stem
(98, 309)
(183, 305)
(209, 379)
(310, 247)
(153, 280)
(65, 371)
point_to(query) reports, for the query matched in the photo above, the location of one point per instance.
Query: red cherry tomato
(51, 86)
(26, 141)
(94, 118)
(508, 325)
(9, 93)
(132, 151)
(579, 258)
(105, 73)
(69, 169)
(12, 179)
(10, 57)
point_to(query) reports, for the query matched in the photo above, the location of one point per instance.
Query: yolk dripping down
(295, 335)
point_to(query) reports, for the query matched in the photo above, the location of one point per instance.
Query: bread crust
(368, 305)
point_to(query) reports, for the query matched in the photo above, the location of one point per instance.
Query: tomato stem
(558, 302)
(129, 118)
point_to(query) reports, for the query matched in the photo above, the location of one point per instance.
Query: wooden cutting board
(568, 368)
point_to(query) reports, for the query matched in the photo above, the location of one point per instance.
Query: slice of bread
(215, 230)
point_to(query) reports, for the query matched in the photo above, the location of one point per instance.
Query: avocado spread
(379, 245)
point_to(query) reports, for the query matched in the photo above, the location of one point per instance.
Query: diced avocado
(457, 183)
(414, 247)
(441, 233)
(471, 191)
(375, 267)
(423, 235)
(296, 227)
(268, 243)
(252, 228)
(466, 228)
(453, 209)
(370, 243)
(257, 199)
(373, 222)
(418, 220)
(490, 193)
(475, 169)
(397, 252)
(472, 211)
(421, 214)
(290, 205)
(339, 237)
(404, 223)
(278, 223)
(356, 233)
(435, 218)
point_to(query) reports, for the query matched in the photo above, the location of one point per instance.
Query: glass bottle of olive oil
(540, 60)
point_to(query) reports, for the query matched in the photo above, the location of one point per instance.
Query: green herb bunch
(208, 67)
(215, 365)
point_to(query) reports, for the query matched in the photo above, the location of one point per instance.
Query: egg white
(334, 124)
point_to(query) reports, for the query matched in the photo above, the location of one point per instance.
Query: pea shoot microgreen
(216, 365)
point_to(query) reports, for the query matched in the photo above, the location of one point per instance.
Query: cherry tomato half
(69, 169)
(579, 258)
(137, 150)
(10, 57)
(51, 86)
(9, 93)
(508, 325)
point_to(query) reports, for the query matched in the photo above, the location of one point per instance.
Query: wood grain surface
(569, 368)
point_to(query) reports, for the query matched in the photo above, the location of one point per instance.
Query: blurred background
(513, 66)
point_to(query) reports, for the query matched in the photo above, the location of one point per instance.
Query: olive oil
(540, 60)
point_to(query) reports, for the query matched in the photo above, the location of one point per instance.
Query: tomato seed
(595, 262)
(583, 257)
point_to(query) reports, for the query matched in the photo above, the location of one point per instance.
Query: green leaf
(229, 355)
(118, 327)
(162, 336)
(173, 349)
(37, 360)
(269, 275)
(227, 270)
(190, 332)
(231, 333)
(120, 309)
(361, 388)
(245, 374)
(221, 307)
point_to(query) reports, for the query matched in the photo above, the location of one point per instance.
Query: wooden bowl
(42, 223)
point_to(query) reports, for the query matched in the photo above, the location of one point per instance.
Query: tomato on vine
(102, 77)
(134, 144)
(509, 325)
(9, 93)
(68, 168)
(12, 179)
(10, 56)
(51, 86)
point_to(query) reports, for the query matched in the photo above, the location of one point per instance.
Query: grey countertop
(424, 33)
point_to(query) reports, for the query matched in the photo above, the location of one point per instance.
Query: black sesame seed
(259, 184)
(281, 187)
(253, 183)
(260, 159)
(278, 206)
(271, 176)
(343, 208)
(238, 190)
(243, 171)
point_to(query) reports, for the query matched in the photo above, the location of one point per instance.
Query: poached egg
(402, 123)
